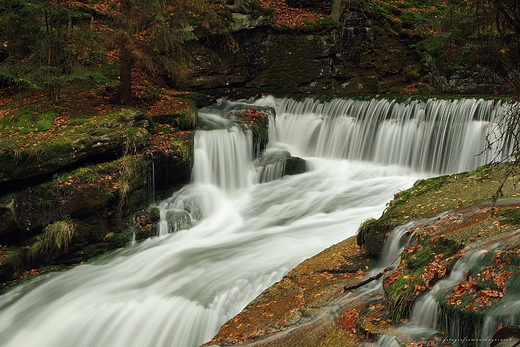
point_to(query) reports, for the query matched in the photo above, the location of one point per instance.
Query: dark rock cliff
(361, 54)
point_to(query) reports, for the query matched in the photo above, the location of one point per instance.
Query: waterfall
(394, 245)
(223, 158)
(387, 341)
(431, 136)
(151, 179)
(270, 165)
(227, 236)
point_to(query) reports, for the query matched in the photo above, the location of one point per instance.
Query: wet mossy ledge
(454, 216)
(429, 197)
(83, 185)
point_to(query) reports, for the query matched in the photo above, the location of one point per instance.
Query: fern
(54, 241)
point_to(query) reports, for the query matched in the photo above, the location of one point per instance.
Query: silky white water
(178, 289)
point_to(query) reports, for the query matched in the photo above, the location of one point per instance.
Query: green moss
(320, 24)
(182, 144)
(496, 272)
(363, 231)
(400, 295)
(35, 155)
(441, 245)
(29, 120)
(78, 121)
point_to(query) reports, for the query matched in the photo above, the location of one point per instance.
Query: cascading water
(426, 317)
(222, 158)
(179, 288)
(432, 136)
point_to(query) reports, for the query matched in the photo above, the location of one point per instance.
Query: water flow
(223, 158)
(432, 136)
(426, 312)
(178, 289)
(387, 341)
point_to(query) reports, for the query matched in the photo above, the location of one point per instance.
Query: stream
(237, 233)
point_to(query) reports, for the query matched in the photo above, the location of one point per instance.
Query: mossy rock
(146, 225)
(53, 242)
(183, 114)
(68, 144)
(80, 192)
(257, 121)
(492, 284)
(411, 279)
(372, 235)
(11, 262)
(295, 166)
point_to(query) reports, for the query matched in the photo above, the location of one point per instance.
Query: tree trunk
(126, 60)
(125, 75)
(337, 10)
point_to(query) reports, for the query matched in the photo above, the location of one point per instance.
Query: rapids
(177, 289)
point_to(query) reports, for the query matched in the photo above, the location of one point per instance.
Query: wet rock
(295, 166)
(146, 223)
(273, 165)
(8, 220)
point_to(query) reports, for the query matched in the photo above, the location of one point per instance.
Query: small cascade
(223, 158)
(384, 340)
(151, 179)
(270, 172)
(271, 165)
(426, 311)
(398, 240)
(432, 136)
(499, 317)
(496, 320)
(427, 316)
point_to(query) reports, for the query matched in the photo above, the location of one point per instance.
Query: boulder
(8, 220)
(295, 166)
